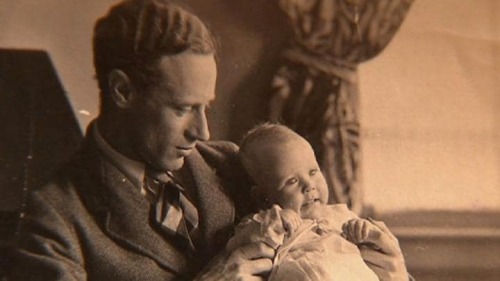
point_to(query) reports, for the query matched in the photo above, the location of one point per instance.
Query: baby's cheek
(290, 202)
(322, 186)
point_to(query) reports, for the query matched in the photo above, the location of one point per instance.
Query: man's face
(291, 176)
(171, 119)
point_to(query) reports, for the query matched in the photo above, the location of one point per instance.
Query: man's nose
(199, 126)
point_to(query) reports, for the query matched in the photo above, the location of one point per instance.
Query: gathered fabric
(316, 251)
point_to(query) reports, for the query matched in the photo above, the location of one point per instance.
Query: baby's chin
(312, 211)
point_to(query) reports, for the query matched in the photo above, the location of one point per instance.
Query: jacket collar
(132, 169)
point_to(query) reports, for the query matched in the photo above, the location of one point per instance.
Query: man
(147, 197)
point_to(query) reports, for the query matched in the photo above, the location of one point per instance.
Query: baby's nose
(309, 188)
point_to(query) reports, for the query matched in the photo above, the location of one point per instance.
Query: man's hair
(135, 34)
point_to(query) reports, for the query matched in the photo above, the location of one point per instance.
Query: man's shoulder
(222, 148)
(218, 153)
(61, 190)
(74, 178)
(223, 157)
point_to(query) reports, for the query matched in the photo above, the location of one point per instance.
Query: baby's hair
(262, 135)
(265, 133)
(257, 137)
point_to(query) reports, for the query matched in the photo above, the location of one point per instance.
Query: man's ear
(120, 88)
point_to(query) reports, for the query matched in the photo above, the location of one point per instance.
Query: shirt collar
(133, 170)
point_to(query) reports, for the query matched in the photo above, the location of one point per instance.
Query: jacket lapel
(124, 213)
(128, 219)
(214, 205)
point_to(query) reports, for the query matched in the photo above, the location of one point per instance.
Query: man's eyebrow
(178, 102)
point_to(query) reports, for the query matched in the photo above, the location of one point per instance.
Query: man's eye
(313, 172)
(182, 109)
(291, 181)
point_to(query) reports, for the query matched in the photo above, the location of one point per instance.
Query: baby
(309, 236)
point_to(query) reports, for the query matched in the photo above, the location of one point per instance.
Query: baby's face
(290, 176)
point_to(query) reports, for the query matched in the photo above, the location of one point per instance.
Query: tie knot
(174, 212)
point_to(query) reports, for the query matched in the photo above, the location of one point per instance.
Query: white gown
(315, 252)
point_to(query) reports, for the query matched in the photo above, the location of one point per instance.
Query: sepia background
(429, 111)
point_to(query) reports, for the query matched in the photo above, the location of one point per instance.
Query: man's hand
(247, 263)
(379, 248)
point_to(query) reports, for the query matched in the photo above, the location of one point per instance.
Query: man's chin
(174, 165)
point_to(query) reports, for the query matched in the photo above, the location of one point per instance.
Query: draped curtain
(316, 87)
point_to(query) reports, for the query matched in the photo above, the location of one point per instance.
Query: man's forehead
(186, 60)
(188, 77)
(192, 66)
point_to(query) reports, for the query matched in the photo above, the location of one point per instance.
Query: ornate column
(316, 88)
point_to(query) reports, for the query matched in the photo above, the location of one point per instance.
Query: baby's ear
(259, 197)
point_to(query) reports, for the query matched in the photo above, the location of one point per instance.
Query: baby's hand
(291, 220)
(359, 231)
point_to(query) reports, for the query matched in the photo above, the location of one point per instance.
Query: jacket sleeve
(46, 247)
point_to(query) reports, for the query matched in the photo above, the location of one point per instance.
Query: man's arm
(46, 248)
(241, 260)
(247, 263)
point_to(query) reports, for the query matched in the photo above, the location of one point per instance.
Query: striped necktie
(173, 211)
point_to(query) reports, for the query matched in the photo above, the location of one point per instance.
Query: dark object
(38, 130)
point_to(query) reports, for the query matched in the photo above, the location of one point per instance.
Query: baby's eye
(291, 181)
(313, 172)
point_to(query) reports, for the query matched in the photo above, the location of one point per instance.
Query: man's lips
(185, 150)
(185, 147)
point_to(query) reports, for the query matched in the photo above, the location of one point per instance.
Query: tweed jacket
(91, 223)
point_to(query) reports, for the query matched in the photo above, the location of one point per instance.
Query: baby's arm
(379, 248)
(269, 226)
(361, 232)
(291, 220)
(246, 232)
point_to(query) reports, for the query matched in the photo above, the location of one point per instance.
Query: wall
(431, 110)
(429, 103)
(64, 29)
(251, 35)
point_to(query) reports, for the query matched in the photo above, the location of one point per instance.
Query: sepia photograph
(279, 140)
